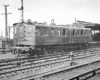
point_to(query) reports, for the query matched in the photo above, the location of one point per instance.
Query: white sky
(62, 11)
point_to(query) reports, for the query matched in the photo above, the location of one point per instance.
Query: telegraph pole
(22, 11)
(6, 22)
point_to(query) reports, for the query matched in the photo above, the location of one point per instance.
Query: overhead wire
(26, 10)
(30, 11)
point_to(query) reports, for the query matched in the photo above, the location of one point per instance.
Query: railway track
(22, 69)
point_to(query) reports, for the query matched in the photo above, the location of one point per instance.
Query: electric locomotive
(41, 38)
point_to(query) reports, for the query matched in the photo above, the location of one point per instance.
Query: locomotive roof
(56, 26)
(63, 26)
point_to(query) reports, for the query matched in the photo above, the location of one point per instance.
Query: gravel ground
(97, 77)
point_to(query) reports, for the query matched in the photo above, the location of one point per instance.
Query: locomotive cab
(24, 34)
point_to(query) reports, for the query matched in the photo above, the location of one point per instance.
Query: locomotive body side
(51, 35)
(30, 35)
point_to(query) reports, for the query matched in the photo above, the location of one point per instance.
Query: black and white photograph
(49, 39)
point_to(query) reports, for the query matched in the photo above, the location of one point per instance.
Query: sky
(62, 11)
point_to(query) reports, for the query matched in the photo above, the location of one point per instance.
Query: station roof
(93, 26)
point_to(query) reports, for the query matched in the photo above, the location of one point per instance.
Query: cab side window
(40, 31)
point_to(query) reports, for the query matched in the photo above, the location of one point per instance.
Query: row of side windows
(76, 32)
(52, 32)
(62, 32)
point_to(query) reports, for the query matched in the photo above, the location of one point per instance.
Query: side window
(81, 32)
(64, 32)
(73, 32)
(90, 32)
(76, 32)
(45, 31)
(48, 31)
(61, 31)
(42, 31)
(85, 32)
(52, 32)
(37, 32)
(67, 32)
(58, 32)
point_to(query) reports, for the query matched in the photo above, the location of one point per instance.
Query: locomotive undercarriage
(42, 50)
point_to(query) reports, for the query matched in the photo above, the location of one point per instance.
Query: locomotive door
(20, 31)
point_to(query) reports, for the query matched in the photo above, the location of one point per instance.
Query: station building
(95, 27)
